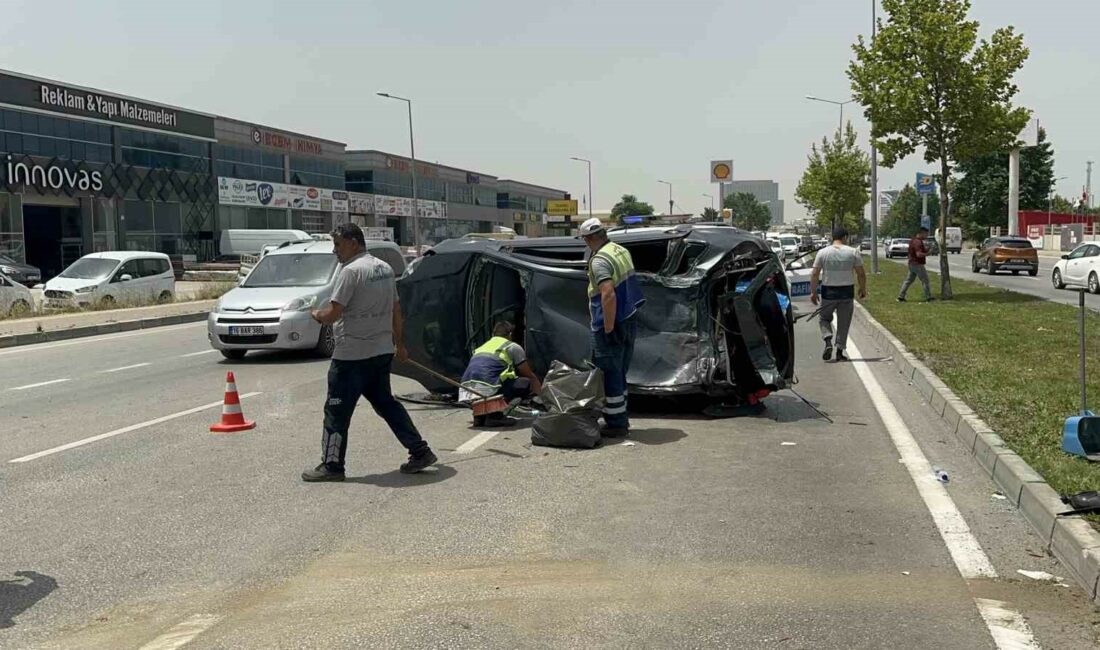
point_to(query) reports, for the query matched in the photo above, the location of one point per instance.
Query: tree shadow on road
(396, 479)
(17, 596)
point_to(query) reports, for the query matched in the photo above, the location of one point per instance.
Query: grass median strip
(1011, 357)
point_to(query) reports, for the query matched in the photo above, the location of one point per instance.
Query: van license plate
(247, 330)
(1019, 261)
(800, 289)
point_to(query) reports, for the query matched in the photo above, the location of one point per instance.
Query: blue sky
(647, 90)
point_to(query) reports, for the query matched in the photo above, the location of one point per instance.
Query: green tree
(834, 188)
(983, 188)
(748, 213)
(903, 219)
(630, 206)
(710, 214)
(926, 82)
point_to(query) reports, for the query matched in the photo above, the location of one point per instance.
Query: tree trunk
(945, 269)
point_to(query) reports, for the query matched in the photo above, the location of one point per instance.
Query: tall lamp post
(711, 200)
(1050, 196)
(835, 103)
(669, 195)
(589, 163)
(412, 156)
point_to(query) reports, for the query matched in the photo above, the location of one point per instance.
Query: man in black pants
(366, 317)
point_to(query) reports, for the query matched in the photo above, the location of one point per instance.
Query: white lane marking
(118, 432)
(476, 441)
(136, 365)
(1010, 631)
(196, 354)
(98, 339)
(183, 633)
(41, 383)
(1008, 627)
(969, 557)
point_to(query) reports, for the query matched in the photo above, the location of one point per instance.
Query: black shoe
(840, 356)
(497, 420)
(828, 353)
(614, 432)
(419, 462)
(900, 299)
(322, 473)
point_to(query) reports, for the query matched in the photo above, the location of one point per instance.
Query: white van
(15, 299)
(954, 240)
(235, 243)
(113, 277)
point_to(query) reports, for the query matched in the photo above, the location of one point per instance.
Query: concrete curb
(16, 340)
(1072, 540)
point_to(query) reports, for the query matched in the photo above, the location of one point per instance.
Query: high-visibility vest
(628, 291)
(491, 363)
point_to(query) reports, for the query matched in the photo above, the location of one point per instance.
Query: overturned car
(717, 320)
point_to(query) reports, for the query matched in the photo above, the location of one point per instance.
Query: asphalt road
(784, 530)
(1039, 285)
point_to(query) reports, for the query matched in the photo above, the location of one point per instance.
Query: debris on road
(787, 444)
(905, 573)
(1039, 575)
(628, 443)
(940, 475)
(999, 496)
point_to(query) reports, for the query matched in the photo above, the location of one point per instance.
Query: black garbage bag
(573, 399)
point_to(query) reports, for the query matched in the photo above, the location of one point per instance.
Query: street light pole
(836, 103)
(412, 156)
(711, 200)
(669, 196)
(1050, 197)
(589, 163)
(874, 163)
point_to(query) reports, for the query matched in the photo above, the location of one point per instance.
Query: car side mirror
(126, 277)
(1065, 257)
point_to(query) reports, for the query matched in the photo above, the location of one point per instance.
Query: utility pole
(1014, 192)
(874, 165)
(1088, 184)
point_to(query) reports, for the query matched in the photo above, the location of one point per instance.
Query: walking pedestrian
(837, 269)
(366, 319)
(917, 257)
(614, 296)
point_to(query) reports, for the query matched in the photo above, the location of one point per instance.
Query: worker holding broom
(499, 366)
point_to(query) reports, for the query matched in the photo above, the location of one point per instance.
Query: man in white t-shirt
(837, 268)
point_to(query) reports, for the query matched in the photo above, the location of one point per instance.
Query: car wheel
(107, 301)
(1033, 272)
(1015, 272)
(19, 308)
(164, 297)
(326, 342)
(992, 270)
(974, 265)
(1056, 280)
(234, 355)
(1094, 284)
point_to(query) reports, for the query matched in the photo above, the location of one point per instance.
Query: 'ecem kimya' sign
(32, 93)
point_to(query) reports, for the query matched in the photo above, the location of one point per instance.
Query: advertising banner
(562, 208)
(721, 171)
(395, 206)
(258, 194)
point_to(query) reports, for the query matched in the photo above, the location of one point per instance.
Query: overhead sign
(721, 171)
(258, 194)
(564, 208)
(79, 102)
(926, 183)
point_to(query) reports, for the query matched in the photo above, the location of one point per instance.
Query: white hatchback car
(15, 299)
(113, 277)
(270, 309)
(1080, 268)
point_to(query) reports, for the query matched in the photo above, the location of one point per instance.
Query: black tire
(1033, 272)
(1015, 272)
(165, 297)
(1094, 283)
(234, 354)
(107, 301)
(326, 342)
(974, 265)
(19, 308)
(1056, 280)
(992, 270)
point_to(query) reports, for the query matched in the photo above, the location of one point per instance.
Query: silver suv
(270, 309)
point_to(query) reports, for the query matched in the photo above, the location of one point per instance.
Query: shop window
(167, 218)
(138, 216)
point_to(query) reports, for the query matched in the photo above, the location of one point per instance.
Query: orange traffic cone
(232, 417)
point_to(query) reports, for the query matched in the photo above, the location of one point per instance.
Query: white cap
(590, 227)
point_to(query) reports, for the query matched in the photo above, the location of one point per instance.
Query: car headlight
(86, 289)
(217, 309)
(301, 304)
(7, 269)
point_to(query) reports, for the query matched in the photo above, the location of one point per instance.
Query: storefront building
(525, 205)
(82, 170)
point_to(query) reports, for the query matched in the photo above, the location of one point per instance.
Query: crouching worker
(499, 366)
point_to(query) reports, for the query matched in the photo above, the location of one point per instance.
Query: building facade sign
(53, 176)
(425, 171)
(258, 194)
(55, 98)
(289, 143)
